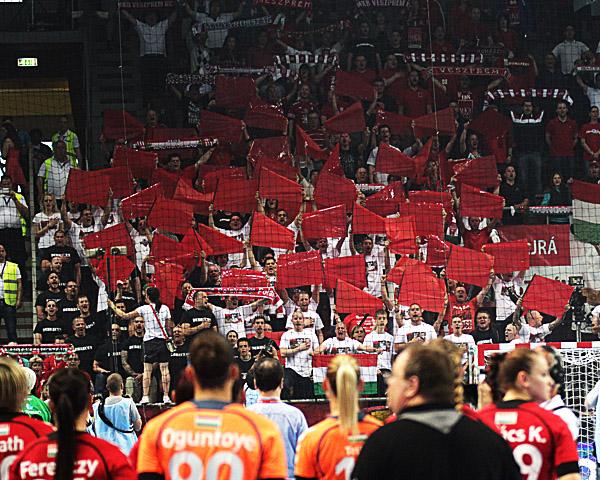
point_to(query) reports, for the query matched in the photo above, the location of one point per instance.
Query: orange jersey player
(329, 449)
(209, 438)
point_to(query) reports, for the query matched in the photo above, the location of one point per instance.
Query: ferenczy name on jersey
(82, 468)
(181, 439)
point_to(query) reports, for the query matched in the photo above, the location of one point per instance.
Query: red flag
(478, 203)
(263, 115)
(272, 147)
(420, 285)
(438, 251)
(421, 161)
(429, 217)
(332, 164)
(490, 123)
(268, 233)
(119, 125)
(221, 127)
(120, 180)
(139, 204)
(397, 271)
(350, 120)
(442, 122)
(284, 169)
(13, 168)
(237, 277)
(402, 235)
(550, 244)
(498, 148)
(365, 221)
(168, 180)
(350, 269)
(305, 145)
(348, 299)
(141, 163)
(349, 84)
(333, 190)
(469, 266)
(547, 296)
(299, 269)
(120, 270)
(479, 172)
(325, 223)
(217, 243)
(210, 179)
(427, 196)
(236, 195)
(392, 161)
(171, 215)
(167, 277)
(87, 187)
(234, 92)
(399, 124)
(387, 201)
(287, 192)
(184, 192)
(509, 257)
(114, 236)
(164, 247)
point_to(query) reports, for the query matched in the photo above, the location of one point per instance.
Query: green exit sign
(27, 62)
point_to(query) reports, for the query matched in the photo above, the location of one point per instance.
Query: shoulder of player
(104, 448)
(371, 421)
(39, 427)
(159, 421)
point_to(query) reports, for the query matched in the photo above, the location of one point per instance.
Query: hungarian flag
(349, 298)
(263, 115)
(392, 161)
(141, 163)
(586, 211)
(429, 217)
(272, 147)
(139, 204)
(13, 168)
(168, 277)
(350, 84)
(120, 270)
(367, 363)
(114, 236)
(547, 296)
(223, 128)
(438, 251)
(184, 192)
(214, 242)
(171, 215)
(387, 201)
(238, 277)
(399, 124)
(234, 92)
(478, 172)
(333, 190)
(351, 269)
(509, 257)
(236, 195)
(332, 164)
(120, 125)
(87, 187)
(287, 192)
(364, 221)
(469, 266)
(299, 269)
(428, 196)
(268, 233)
(325, 223)
(442, 122)
(305, 145)
(402, 235)
(350, 120)
(420, 285)
(479, 203)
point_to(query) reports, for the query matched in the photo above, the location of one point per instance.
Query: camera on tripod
(100, 252)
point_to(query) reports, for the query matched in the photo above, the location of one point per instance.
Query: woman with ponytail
(70, 452)
(330, 448)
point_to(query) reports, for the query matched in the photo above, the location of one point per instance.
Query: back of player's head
(13, 385)
(343, 376)
(557, 370)
(69, 390)
(114, 383)
(519, 360)
(456, 356)
(211, 356)
(435, 370)
(268, 374)
(492, 372)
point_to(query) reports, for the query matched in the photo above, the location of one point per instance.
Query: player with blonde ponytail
(329, 449)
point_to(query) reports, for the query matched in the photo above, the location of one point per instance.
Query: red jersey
(415, 102)
(17, 431)
(590, 132)
(96, 458)
(541, 442)
(562, 135)
(476, 239)
(466, 311)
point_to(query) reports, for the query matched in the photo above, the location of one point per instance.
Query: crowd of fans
(305, 70)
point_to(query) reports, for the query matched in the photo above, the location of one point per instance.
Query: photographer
(260, 343)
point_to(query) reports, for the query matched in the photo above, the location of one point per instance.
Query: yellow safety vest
(10, 283)
(48, 166)
(69, 141)
(21, 218)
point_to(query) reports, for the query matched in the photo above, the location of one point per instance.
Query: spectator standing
(107, 359)
(414, 101)
(244, 358)
(589, 135)
(69, 258)
(569, 50)
(84, 345)
(69, 138)
(342, 343)
(50, 327)
(179, 358)
(549, 75)
(14, 215)
(54, 292)
(47, 222)
(132, 358)
(558, 194)
(116, 418)
(233, 316)
(11, 292)
(593, 93)
(533, 330)
(414, 330)
(67, 306)
(198, 318)
(383, 342)
(514, 196)
(312, 320)
(259, 342)
(485, 331)
(95, 322)
(461, 306)
(54, 172)
(561, 138)
(216, 36)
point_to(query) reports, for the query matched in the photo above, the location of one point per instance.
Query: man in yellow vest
(70, 138)
(11, 289)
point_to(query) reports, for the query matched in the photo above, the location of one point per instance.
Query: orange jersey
(325, 452)
(211, 440)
